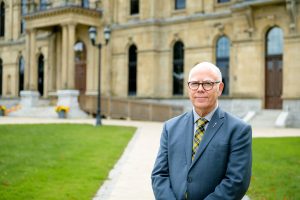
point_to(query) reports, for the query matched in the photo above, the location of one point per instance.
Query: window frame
(223, 62)
(134, 7)
(2, 19)
(179, 4)
(178, 60)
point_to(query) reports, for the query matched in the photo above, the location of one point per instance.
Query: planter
(62, 114)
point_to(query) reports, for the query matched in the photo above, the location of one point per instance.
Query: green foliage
(57, 161)
(276, 169)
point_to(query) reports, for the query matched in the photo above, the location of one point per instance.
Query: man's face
(203, 100)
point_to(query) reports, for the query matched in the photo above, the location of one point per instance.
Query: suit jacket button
(189, 179)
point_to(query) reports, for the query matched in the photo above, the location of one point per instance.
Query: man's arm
(160, 175)
(238, 173)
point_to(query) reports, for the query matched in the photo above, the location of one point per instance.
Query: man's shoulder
(179, 118)
(233, 118)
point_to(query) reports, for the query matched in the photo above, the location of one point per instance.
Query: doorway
(273, 69)
(80, 70)
(41, 75)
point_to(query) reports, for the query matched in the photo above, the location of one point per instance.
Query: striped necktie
(198, 135)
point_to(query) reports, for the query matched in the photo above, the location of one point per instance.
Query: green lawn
(276, 169)
(57, 161)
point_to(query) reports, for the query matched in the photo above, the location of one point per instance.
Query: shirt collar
(207, 117)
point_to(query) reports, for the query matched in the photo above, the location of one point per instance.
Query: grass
(57, 161)
(276, 169)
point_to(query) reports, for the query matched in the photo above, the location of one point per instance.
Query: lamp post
(93, 35)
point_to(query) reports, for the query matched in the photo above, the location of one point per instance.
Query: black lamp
(93, 35)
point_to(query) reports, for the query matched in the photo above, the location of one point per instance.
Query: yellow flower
(3, 108)
(62, 108)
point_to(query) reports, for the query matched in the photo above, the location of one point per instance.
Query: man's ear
(221, 87)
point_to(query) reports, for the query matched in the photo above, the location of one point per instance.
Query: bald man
(205, 153)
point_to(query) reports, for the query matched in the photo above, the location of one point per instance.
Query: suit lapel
(211, 130)
(189, 134)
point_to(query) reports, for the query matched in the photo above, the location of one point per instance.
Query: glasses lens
(193, 85)
(207, 86)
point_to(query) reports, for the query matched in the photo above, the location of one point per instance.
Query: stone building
(46, 52)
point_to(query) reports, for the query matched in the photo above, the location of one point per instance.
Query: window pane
(85, 3)
(134, 7)
(223, 47)
(179, 4)
(223, 51)
(43, 4)
(132, 71)
(275, 41)
(21, 73)
(23, 11)
(2, 19)
(178, 74)
(223, 1)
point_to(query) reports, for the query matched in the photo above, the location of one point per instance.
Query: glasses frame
(210, 84)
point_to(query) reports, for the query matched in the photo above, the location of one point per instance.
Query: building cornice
(63, 10)
(255, 3)
(171, 20)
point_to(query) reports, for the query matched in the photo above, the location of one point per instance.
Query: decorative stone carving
(292, 10)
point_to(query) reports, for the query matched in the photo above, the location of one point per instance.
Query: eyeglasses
(194, 85)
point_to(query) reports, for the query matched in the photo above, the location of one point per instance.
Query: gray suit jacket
(222, 165)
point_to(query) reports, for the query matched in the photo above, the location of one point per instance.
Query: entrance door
(273, 82)
(80, 70)
(273, 68)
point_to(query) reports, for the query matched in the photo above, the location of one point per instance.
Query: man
(205, 153)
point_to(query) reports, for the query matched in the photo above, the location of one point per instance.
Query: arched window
(43, 4)
(23, 12)
(222, 55)
(1, 75)
(274, 41)
(21, 73)
(41, 74)
(132, 71)
(134, 7)
(178, 75)
(273, 68)
(179, 4)
(85, 3)
(2, 19)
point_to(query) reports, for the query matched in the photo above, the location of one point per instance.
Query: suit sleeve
(160, 175)
(238, 173)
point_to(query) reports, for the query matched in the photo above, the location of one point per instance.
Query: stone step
(265, 118)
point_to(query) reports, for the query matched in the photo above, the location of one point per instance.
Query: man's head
(205, 86)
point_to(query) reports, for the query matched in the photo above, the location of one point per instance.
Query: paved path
(130, 178)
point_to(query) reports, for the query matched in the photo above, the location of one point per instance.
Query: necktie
(198, 135)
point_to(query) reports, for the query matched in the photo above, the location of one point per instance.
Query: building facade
(45, 48)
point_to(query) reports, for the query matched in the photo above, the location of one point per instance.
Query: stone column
(30, 96)
(64, 63)
(71, 55)
(27, 61)
(58, 62)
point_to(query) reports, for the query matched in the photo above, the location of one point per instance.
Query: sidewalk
(130, 178)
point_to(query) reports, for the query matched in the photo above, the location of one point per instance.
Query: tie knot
(201, 122)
